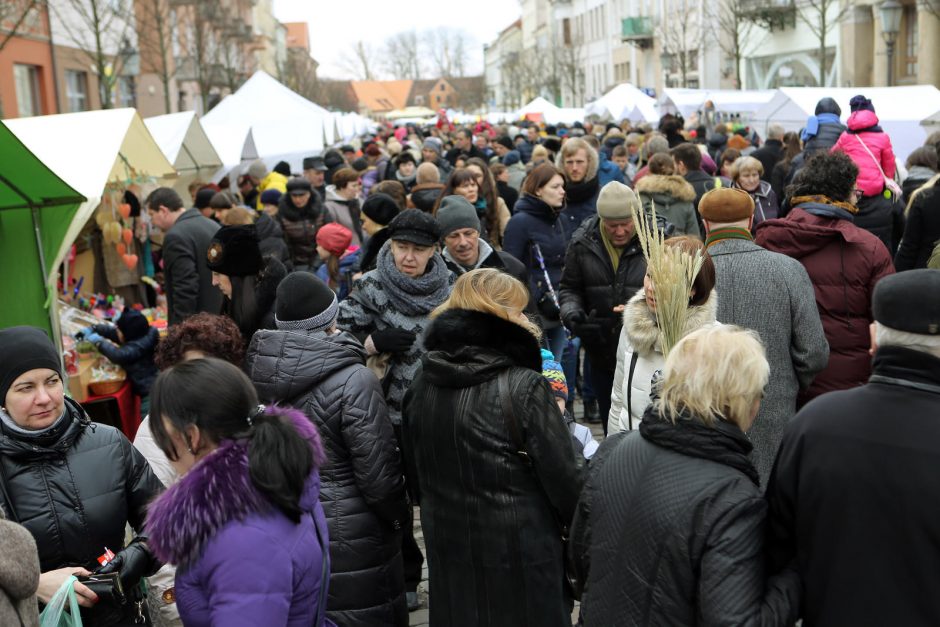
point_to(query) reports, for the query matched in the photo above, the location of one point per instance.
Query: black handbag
(509, 415)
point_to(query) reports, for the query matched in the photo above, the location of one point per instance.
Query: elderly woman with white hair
(670, 526)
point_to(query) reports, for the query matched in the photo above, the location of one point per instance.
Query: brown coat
(19, 576)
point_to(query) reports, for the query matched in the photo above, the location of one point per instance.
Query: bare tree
(679, 36)
(154, 38)
(736, 33)
(98, 28)
(14, 15)
(447, 49)
(299, 73)
(201, 42)
(359, 60)
(513, 75)
(569, 59)
(232, 63)
(402, 56)
(815, 15)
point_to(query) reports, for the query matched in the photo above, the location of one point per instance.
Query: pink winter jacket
(870, 180)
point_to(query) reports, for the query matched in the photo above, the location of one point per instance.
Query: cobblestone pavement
(419, 617)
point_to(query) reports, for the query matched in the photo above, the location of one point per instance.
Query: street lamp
(891, 11)
(130, 68)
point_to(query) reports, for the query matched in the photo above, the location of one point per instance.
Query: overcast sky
(335, 24)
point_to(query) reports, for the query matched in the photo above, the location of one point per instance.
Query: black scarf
(724, 442)
(580, 192)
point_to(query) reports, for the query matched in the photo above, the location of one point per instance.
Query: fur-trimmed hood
(639, 322)
(666, 185)
(217, 491)
(466, 347)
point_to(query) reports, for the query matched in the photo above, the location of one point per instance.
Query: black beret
(909, 301)
(298, 185)
(415, 226)
(380, 208)
(234, 251)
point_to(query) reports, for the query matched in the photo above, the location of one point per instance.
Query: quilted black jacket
(491, 524)
(75, 489)
(362, 488)
(670, 531)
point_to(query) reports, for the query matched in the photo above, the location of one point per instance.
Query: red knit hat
(335, 238)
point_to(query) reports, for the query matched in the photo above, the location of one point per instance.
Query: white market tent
(688, 101)
(283, 125)
(901, 110)
(185, 144)
(624, 102)
(550, 113)
(350, 125)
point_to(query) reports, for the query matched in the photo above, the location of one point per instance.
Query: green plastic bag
(62, 610)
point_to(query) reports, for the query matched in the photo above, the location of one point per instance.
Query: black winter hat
(415, 226)
(909, 301)
(23, 349)
(503, 140)
(827, 105)
(861, 103)
(234, 251)
(283, 167)
(133, 324)
(381, 208)
(360, 164)
(304, 303)
(298, 185)
(204, 197)
(314, 163)
(333, 159)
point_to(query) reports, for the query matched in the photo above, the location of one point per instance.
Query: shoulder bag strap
(877, 164)
(633, 359)
(509, 415)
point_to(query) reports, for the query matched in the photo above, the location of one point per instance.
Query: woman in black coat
(921, 230)
(670, 526)
(307, 364)
(74, 484)
(300, 213)
(491, 517)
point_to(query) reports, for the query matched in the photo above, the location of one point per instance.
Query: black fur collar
(457, 328)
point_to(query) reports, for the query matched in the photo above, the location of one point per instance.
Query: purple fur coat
(241, 561)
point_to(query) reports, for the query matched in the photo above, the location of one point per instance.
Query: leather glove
(133, 563)
(574, 319)
(393, 340)
(589, 329)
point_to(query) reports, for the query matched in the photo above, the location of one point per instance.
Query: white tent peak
(183, 140)
(624, 102)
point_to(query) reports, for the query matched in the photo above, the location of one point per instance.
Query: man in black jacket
(688, 160)
(187, 278)
(855, 492)
(771, 152)
(604, 267)
(463, 145)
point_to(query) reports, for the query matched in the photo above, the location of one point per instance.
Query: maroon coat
(844, 262)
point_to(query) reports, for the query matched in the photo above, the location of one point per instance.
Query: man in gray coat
(771, 294)
(186, 273)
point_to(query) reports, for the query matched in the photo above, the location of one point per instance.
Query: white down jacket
(640, 334)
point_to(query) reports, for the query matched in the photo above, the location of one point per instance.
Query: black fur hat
(234, 251)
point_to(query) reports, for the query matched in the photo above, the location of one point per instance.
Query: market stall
(36, 209)
(624, 102)
(185, 144)
(742, 103)
(282, 125)
(901, 110)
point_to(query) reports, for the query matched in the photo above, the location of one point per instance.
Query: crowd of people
(406, 325)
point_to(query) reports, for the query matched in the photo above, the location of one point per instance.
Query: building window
(126, 92)
(26, 79)
(442, 86)
(76, 90)
(910, 40)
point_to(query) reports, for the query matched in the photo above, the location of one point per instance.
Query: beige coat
(19, 576)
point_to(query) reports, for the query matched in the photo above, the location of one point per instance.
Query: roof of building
(380, 96)
(298, 35)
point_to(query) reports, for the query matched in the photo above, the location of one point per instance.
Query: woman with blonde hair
(746, 173)
(491, 461)
(689, 548)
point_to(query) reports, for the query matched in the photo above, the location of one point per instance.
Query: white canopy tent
(351, 125)
(550, 113)
(624, 102)
(901, 110)
(185, 144)
(283, 124)
(688, 101)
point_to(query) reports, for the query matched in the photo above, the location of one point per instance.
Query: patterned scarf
(824, 200)
(414, 296)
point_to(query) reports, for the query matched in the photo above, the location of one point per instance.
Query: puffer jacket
(631, 395)
(136, 356)
(863, 129)
(921, 231)
(536, 223)
(19, 576)
(241, 560)
(844, 263)
(300, 229)
(670, 531)
(362, 491)
(490, 521)
(674, 199)
(94, 483)
(590, 286)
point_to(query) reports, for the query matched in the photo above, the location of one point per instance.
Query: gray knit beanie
(456, 212)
